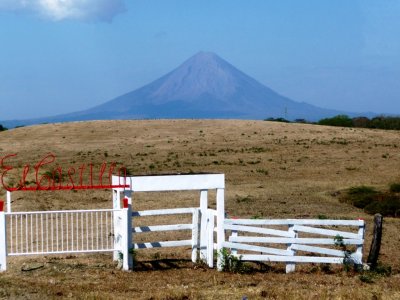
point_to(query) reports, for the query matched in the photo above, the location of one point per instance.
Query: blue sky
(59, 56)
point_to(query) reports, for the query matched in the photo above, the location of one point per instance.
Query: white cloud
(58, 10)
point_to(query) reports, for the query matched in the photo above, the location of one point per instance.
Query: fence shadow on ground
(162, 264)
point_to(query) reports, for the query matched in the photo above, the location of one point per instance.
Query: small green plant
(231, 263)
(348, 260)
(322, 217)
(255, 217)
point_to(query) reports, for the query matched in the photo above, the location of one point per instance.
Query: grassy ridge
(273, 170)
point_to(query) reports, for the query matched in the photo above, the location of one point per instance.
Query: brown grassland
(273, 170)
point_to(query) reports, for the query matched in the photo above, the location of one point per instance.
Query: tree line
(379, 122)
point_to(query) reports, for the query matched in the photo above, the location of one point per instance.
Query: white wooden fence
(85, 231)
(296, 243)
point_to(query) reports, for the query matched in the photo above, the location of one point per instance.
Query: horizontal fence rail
(304, 241)
(54, 232)
(194, 227)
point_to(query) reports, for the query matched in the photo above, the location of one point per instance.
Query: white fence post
(127, 263)
(203, 225)
(359, 251)
(116, 228)
(195, 234)
(210, 238)
(290, 267)
(3, 239)
(220, 226)
(8, 201)
(128, 195)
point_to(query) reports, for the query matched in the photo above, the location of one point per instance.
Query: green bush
(339, 120)
(386, 205)
(395, 188)
(359, 196)
(384, 122)
(231, 263)
(372, 201)
(2, 128)
(379, 122)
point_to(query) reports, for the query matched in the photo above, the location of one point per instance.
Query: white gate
(203, 218)
(59, 232)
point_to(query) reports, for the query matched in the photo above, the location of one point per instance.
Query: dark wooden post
(376, 242)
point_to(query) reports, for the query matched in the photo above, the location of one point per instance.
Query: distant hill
(204, 86)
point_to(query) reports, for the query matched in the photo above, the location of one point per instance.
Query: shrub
(395, 188)
(386, 205)
(384, 122)
(231, 263)
(2, 128)
(361, 122)
(359, 196)
(339, 120)
(372, 201)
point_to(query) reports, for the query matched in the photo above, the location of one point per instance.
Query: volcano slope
(273, 170)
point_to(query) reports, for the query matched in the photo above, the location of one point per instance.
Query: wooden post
(376, 242)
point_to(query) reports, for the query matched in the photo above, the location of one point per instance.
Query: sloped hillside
(272, 169)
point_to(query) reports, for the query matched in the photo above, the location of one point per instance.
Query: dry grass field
(273, 170)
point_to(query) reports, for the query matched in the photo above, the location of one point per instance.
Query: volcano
(204, 86)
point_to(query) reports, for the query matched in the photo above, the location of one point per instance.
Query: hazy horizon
(59, 57)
